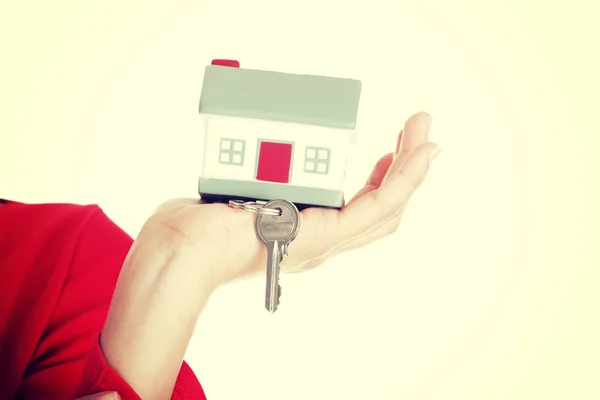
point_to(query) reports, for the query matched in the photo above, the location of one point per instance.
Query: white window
(232, 151)
(317, 160)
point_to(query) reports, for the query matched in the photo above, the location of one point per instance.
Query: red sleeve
(98, 377)
(61, 263)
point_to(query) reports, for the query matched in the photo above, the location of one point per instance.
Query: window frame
(232, 152)
(316, 160)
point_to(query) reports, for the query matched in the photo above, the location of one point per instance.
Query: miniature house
(272, 135)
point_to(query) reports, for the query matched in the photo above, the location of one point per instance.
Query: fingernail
(429, 121)
(436, 152)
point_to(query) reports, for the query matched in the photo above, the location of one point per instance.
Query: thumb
(109, 395)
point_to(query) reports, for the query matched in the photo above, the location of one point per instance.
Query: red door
(274, 161)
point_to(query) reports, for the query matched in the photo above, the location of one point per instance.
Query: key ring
(253, 206)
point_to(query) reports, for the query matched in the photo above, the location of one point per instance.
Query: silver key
(277, 232)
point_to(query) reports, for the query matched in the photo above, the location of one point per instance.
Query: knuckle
(390, 229)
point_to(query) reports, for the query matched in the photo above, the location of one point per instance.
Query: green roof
(278, 96)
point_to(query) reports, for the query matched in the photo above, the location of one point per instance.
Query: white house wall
(251, 131)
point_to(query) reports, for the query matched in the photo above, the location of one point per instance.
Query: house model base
(272, 135)
(226, 198)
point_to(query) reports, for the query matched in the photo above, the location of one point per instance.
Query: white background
(488, 291)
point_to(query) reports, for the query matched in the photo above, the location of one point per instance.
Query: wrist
(192, 259)
(163, 287)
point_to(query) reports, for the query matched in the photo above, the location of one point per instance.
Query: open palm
(375, 211)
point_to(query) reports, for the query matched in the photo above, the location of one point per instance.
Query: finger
(376, 177)
(414, 134)
(384, 229)
(358, 242)
(366, 228)
(387, 201)
(399, 142)
(380, 169)
(328, 249)
(101, 396)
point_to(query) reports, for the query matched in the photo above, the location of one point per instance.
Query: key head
(281, 228)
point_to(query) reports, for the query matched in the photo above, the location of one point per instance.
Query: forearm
(158, 298)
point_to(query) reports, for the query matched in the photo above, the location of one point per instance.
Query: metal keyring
(238, 204)
(254, 206)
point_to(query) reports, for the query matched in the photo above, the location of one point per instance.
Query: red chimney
(226, 63)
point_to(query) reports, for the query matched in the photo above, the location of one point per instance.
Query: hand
(186, 249)
(375, 211)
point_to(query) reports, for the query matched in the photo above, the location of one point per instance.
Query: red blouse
(59, 265)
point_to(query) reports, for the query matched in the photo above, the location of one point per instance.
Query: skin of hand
(187, 249)
(101, 396)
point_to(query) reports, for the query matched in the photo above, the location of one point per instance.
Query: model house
(273, 135)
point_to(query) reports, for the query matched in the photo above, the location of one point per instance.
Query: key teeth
(279, 294)
(278, 286)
